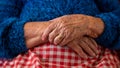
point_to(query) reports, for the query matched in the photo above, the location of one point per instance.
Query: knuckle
(50, 36)
(55, 41)
(49, 27)
(86, 39)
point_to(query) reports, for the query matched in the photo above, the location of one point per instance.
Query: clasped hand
(74, 31)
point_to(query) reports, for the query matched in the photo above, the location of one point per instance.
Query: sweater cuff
(110, 33)
(16, 38)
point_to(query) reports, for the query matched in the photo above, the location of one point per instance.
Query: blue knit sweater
(15, 13)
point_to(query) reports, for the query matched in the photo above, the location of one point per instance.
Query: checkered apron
(52, 56)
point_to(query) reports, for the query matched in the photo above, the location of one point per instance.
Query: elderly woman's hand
(84, 47)
(33, 32)
(69, 27)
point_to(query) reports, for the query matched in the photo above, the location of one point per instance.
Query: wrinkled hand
(33, 32)
(84, 47)
(69, 27)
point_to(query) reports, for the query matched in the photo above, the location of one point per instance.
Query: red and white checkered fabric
(51, 56)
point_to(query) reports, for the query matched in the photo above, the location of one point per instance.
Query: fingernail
(50, 40)
(97, 53)
(55, 43)
(85, 57)
(42, 38)
(94, 55)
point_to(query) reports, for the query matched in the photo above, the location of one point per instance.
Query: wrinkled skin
(34, 30)
(84, 47)
(71, 29)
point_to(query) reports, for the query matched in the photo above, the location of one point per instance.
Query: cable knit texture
(15, 13)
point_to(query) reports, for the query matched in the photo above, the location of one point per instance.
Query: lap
(52, 56)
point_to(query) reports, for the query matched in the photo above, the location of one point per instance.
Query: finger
(47, 31)
(86, 48)
(93, 45)
(75, 47)
(52, 35)
(94, 42)
(59, 38)
(66, 39)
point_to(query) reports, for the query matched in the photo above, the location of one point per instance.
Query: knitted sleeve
(11, 29)
(110, 14)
